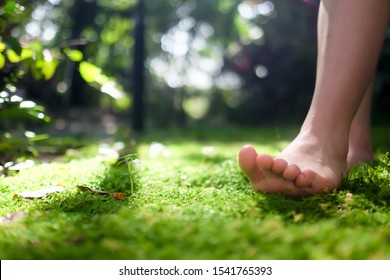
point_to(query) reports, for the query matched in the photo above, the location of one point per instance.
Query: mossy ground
(192, 202)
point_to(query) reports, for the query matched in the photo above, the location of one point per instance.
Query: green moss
(191, 204)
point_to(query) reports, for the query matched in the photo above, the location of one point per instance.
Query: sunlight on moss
(187, 203)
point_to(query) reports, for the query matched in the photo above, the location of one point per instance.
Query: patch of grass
(191, 201)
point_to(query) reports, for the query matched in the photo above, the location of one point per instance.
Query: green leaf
(13, 56)
(26, 53)
(36, 71)
(89, 72)
(242, 26)
(74, 55)
(10, 7)
(40, 136)
(2, 61)
(39, 115)
(35, 46)
(225, 6)
(2, 46)
(47, 68)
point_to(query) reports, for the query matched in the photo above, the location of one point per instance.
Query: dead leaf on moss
(39, 193)
(12, 217)
(348, 197)
(116, 195)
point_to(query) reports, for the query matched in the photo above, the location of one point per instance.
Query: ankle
(335, 145)
(360, 153)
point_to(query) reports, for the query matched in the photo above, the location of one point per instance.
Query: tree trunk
(81, 19)
(139, 75)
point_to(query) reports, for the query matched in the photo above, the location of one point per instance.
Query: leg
(348, 49)
(360, 145)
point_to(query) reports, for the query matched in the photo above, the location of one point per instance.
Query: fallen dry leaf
(12, 217)
(21, 165)
(116, 195)
(348, 197)
(39, 193)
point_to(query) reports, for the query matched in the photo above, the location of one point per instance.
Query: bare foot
(359, 153)
(355, 158)
(305, 167)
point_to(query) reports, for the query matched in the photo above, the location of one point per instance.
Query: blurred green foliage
(197, 53)
(25, 60)
(241, 61)
(16, 112)
(15, 115)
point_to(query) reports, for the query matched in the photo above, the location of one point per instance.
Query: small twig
(71, 43)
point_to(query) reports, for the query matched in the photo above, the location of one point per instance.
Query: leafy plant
(372, 180)
(15, 114)
(130, 160)
(20, 59)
